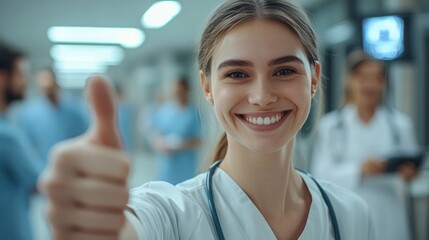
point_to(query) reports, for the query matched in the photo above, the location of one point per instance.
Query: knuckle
(124, 197)
(42, 183)
(61, 155)
(120, 221)
(59, 235)
(54, 185)
(125, 165)
(54, 213)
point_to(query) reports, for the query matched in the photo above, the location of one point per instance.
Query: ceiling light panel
(80, 67)
(160, 13)
(127, 37)
(111, 55)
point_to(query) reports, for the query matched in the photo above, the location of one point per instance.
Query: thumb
(104, 130)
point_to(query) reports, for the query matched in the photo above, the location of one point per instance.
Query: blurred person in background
(176, 129)
(355, 141)
(51, 118)
(48, 119)
(146, 119)
(18, 169)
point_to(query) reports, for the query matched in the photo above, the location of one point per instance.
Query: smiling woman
(257, 76)
(259, 70)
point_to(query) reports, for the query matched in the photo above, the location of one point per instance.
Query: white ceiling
(24, 23)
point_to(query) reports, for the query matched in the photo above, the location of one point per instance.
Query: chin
(266, 147)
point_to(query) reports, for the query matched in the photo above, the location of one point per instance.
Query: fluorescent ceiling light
(127, 37)
(80, 67)
(160, 13)
(84, 53)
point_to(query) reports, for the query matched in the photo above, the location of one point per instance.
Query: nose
(262, 93)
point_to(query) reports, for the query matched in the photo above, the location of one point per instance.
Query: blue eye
(284, 72)
(237, 75)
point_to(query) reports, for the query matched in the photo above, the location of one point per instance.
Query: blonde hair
(232, 13)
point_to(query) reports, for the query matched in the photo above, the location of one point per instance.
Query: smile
(264, 119)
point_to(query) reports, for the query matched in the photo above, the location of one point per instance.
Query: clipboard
(393, 163)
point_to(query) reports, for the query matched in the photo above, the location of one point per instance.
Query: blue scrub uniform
(18, 177)
(46, 124)
(126, 116)
(181, 123)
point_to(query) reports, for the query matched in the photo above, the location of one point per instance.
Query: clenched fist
(86, 180)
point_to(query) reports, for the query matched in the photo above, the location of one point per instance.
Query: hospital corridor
(214, 119)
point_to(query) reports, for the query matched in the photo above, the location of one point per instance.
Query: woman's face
(261, 84)
(367, 84)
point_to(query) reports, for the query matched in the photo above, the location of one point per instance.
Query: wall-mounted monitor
(387, 37)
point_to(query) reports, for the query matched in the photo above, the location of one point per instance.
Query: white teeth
(267, 121)
(264, 120)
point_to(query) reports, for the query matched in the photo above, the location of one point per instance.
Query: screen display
(383, 37)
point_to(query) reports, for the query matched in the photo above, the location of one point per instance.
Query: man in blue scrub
(177, 136)
(126, 120)
(18, 169)
(51, 118)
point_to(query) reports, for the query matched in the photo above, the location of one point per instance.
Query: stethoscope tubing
(215, 217)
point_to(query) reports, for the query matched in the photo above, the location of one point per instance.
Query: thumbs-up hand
(86, 179)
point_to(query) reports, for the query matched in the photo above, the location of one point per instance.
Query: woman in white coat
(259, 70)
(354, 142)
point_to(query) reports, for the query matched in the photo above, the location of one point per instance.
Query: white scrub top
(181, 212)
(340, 151)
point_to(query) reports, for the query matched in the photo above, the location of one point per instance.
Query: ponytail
(220, 149)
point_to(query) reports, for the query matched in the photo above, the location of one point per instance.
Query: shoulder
(170, 211)
(7, 136)
(351, 212)
(169, 197)
(343, 198)
(9, 142)
(350, 209)
(399, 117)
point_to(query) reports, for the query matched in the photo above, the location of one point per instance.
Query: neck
(183, 102)
(269, 180)
(53, 98)
(366, 113)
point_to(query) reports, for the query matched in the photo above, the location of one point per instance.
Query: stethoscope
(339, 130)
(215, 217)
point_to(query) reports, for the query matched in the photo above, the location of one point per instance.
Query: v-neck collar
(354, 116)
(243, 209)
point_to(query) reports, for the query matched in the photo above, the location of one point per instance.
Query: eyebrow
(285, 59)
(243, 63)
(235, 63)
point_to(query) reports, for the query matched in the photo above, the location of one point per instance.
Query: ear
(315, 78)
(205, 86)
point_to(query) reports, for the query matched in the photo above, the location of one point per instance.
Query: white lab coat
(340, 151)
(181, 212)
